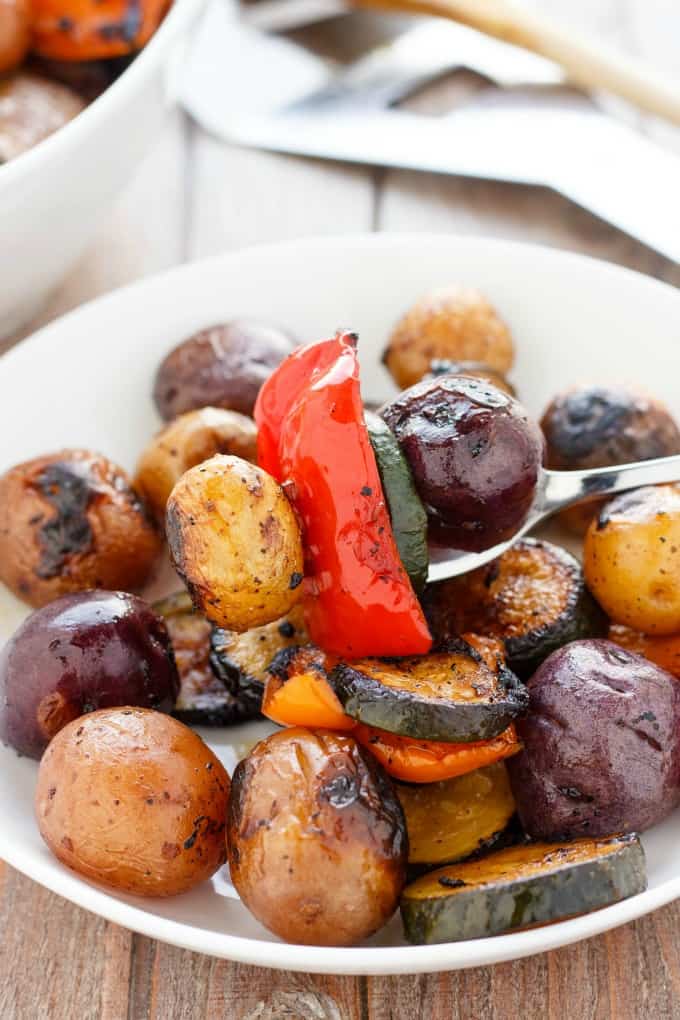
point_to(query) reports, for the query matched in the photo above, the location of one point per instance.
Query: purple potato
(223, 366)
(601, 744)
(90, 650)
(475, 457)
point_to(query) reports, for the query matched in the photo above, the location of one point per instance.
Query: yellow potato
(455, 324)
(631, 559)
(187, 441)
(235, 540)
(135, 800)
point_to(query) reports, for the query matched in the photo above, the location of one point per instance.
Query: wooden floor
(195, 197)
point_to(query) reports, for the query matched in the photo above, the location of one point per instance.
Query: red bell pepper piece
(311, 432)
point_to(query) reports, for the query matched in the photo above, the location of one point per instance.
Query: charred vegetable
(242, 660)
(71, 521)
(454, 323)
(522, 886)
(203, 699)
(223, 366)
(594, 426)
(631, 559)
(317, 841)
(187, 441)
(475, 457)
(298, 692)
(601, 744)
(533, 598)
(449, 820)
(235, 541)
(449, 696)
(407, 513)
(93, 29)
(135, 800)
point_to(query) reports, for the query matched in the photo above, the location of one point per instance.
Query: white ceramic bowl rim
(130, 81)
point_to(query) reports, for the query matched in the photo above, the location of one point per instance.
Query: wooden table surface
(194, 197)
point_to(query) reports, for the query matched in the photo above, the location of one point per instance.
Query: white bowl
(53, 196)
(572, 317)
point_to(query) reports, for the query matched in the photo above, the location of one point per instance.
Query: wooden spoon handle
(590, 64)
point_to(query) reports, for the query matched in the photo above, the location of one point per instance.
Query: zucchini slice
(533, 597)
(203, 699)
(407, 513)
(241, 660)
(449, 820)
(521, 886)
(450, 696)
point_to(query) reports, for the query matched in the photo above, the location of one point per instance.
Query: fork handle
(592, 65)
(563, 488)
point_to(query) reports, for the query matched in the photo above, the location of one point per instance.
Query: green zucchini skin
(410, 714)
(507, 905)
(407, 513)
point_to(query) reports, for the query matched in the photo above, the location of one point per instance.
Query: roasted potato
(71, 521)
(631, 559)
(317, 838)
(475, 457)
(601, 744)
(15, 32)
(592, 426)
(223, 366)
(187, 441)
(31, 108)
(89, 650)
(454, 323)
(235, 540)
(135, 800)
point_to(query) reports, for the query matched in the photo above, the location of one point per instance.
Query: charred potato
(135, 800)
(454, 323)
(15, 33)
(235, 540)
(317, 838)
(475, 457)
(593, 426)
(223, 366)
(71, 521)
(631, 559)
(31, 108)
(93, 649)
(187, 441)
(601, 744)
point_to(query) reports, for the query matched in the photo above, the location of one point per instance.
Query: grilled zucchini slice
(241, 660)
(203, 699)
(533, 597)
(449, 820)
(407, 513)
(521, 886)
(450, 696)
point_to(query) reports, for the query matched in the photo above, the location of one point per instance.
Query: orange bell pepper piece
(427, 761)
(663, 650)
(302, 696)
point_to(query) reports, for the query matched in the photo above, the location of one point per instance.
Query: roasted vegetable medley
(480, 753)
(58, 55)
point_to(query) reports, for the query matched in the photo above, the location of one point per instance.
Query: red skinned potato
(317, 838)
(601, 744)
(94, 649)
(475, 457)
(135, 800)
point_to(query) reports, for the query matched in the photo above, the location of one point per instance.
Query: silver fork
(557, 490)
